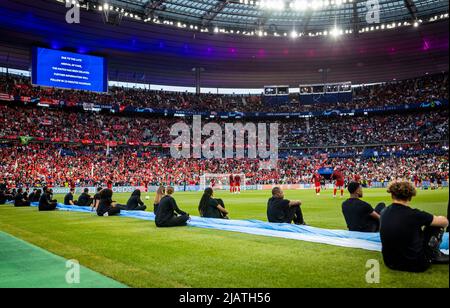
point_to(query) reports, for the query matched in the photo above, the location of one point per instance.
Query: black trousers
(113, 211)
(374, 226)
(432, 241)
(22, 204)
(175, 221)
(47, 207)
(296, 215)
(222, 204)
(126, 208)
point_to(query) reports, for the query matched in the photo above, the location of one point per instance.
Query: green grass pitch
(138, 254)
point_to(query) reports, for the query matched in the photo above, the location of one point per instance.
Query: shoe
(440, 258)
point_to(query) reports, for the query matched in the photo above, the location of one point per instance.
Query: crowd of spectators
(424, 89)
(63, 126)
(45, 164)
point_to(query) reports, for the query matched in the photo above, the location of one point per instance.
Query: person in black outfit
(85, 199)
(3, 186)
(68, 199)
(3, 197)
(20, 200)
(169, 215)
(280, 210)
(359, 215)
(410, 238)
(45, 202)
(210, 207)
(134, 203)
(31, 195)
(106, 206)
(160, 193)
(97, 198)
(35, 195)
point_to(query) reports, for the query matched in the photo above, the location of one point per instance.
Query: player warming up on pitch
(316, 178)
(237, 184)
(232, 188)
(338, 177)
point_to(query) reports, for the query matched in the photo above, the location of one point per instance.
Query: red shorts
(340, 184)
(232, 184)
(317, 184)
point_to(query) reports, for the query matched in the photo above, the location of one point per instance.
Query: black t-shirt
(104, 206)
(68, 198)
(211, 210)
(84, 199)
(167, 209)
(357, 215)
(2, 198)
(278, 210)
(402, 237)
(134, 202)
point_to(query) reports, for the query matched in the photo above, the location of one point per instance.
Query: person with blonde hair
(168, 213)
(410, 238)
(160, 193)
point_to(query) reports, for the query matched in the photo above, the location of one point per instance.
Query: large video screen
(61, 69)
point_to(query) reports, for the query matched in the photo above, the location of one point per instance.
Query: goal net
(220, 181)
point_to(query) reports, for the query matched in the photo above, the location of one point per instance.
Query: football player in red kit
(232, 189)
(317, 178)
(338, 177)
(357, 178)
(237, 184)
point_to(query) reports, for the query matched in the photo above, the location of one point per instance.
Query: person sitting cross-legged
(85, 199)
(46, 203)
(106, 206)
(169, 214)
(359, 215)
(410, 238)
(68, 199)
(21, 199)
(280, 210)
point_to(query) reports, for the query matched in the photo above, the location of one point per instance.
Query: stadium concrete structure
(92, 91)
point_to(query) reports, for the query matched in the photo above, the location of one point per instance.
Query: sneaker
(440, 258)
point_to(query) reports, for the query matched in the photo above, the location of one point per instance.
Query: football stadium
(224, 144)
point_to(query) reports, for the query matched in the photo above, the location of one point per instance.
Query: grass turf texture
(24, 265)
(138, 254)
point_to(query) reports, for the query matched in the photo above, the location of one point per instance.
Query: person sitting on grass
(46, 203)
(410, 238)
(35, 196)
(68, 199)
(3, 197)
(359, 215)
(169, 214)
(106, 206)
(210, 207)
(159, 195)
(96, 201)
(85, 199)
(135, 203)
(20, 200)
(280, 210)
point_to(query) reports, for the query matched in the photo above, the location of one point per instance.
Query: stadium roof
(281, 16)
(159, 54)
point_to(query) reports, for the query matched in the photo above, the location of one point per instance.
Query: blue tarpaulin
(342, 238)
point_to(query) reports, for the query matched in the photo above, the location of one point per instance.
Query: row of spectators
(66, 126)
(424, 89)
(40, 164)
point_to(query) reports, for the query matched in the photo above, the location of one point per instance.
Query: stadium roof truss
(234, 14)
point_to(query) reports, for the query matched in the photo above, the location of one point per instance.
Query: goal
(220, 181)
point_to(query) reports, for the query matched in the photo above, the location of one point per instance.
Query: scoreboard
(326, 93)
(276, 95)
